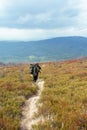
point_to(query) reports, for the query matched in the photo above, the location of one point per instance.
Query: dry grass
(15, 87)
(64, 98)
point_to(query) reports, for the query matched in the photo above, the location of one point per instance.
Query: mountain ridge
(53, 38)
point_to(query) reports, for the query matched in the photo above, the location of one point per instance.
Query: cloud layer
(36, 19)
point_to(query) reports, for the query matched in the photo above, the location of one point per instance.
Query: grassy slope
(15, 87)
(64, 97)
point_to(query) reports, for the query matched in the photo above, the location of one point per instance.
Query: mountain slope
(54, 49)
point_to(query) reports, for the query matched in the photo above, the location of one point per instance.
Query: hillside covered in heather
(63, 99)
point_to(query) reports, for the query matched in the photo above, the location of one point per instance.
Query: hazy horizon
(40, 39)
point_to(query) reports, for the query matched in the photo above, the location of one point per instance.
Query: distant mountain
(60, 48)
(66, 39)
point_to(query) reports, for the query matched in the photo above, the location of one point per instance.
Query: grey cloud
(71, 12)
(39, 14)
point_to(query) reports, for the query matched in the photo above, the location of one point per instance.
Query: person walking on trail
(34, 70)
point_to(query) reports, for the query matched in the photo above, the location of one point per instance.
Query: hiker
(34, 70)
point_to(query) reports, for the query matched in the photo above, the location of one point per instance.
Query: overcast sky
(41, 19)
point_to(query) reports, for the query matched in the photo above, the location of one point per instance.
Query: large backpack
(34, 69)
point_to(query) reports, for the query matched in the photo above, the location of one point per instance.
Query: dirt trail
(30, 109)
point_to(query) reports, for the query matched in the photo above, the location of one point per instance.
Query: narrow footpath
(31, 108)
